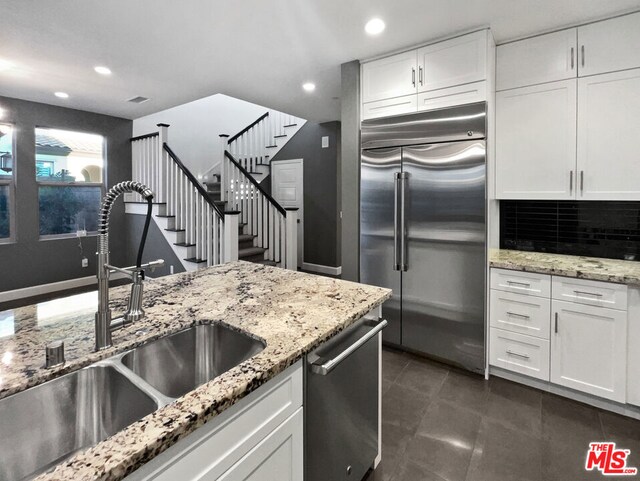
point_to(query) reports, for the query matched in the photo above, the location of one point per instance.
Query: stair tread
(246, 237)
(165, 216)
(183, 244)
(291, 125)
(251, 251)
(143, 202)
(175, 230)
(195, 260)
(279, 136)
(267, 262)
(271, 146)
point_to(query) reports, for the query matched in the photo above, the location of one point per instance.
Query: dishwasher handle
(324, 367)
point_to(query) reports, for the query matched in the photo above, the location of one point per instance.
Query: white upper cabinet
(609, 45)
(428, 78)
(458, 61)
(545, 58)
(389, 77)
(608, 123)
(536, 142)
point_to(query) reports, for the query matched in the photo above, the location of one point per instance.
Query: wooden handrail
(192, 179)
(247, 128)
(255, 183)
(145, 136)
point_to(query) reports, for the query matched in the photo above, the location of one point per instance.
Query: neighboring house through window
(6, 182)
(69, 171)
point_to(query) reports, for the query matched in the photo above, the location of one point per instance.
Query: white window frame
(11, 183)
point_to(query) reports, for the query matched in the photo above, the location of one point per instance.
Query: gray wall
(156, 246)
(321, 215)
(349, 171)
(30, 261)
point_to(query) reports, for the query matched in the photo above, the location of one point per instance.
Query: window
(69, 171)
(6, 180)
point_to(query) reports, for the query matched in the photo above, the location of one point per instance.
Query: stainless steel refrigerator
(423, 229)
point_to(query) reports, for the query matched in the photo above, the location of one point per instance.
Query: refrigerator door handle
(396, 261)
(403, 240)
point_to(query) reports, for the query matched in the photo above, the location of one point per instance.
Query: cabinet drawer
(218, 445)
(459, 95)
(523, 282)
(520, 313)
(592, 293)
(395, 106)
(519, 353)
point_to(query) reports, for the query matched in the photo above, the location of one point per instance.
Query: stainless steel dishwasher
(341, 404)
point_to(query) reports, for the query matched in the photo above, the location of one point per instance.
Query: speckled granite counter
(292, 312)
(608, 270)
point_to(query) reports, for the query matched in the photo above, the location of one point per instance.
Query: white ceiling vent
(138, 100)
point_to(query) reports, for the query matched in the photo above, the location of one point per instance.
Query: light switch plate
(325, 142)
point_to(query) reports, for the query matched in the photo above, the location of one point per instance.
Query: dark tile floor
(442, 424)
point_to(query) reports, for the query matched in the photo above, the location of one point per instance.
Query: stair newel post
(230, 236)
(291, 239)
(162, 166)
(224, 167)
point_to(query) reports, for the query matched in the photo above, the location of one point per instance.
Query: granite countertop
(292, 312)
(593, 268)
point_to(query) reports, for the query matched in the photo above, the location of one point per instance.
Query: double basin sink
(45, 425)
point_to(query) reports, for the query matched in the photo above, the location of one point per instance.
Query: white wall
(195, 126)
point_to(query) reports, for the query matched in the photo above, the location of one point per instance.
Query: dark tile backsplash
(595, 229)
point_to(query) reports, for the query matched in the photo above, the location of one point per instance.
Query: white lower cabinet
(258, 438)
(277, 458)
(520, 353)
(589, 349)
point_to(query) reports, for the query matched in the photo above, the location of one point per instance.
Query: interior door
(287, 186)
(379, 233)
(443, 287)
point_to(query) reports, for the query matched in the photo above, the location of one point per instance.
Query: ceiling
(257, 50)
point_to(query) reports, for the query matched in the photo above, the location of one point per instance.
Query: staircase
(232, 218)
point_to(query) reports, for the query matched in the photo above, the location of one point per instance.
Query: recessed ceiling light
(102, 70)
(62, 95)
(309, 86)
(5, 65)
(374, 26)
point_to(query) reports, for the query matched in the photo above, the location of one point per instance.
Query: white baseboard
(320, 269)
(26, 292)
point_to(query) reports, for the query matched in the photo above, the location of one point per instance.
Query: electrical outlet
(81, 233)
(85, 262)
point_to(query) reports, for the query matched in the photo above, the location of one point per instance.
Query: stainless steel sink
(46, 424)
(177, 364)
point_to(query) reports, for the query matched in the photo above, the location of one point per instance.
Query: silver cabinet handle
(323, 367)
(420, 75)
(582, 182)
(572, 63)
(582, 54)
(403, 230)
(596, 294)
(413, 76)
(570, 182)
(513, 353)
(396, 180)
(556, 326)
(515, 314)
(515, 283)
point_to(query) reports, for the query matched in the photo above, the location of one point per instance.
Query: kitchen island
(291, 313)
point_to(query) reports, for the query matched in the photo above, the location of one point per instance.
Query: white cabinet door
(458, 61)
(449, 97)
(608, 126)
(589, 349)
(536, 142)
(609, 45)
(389, 77)
(279, 457)
(633, 336)
(387, 107)
(545, 58)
